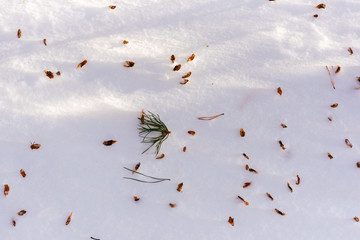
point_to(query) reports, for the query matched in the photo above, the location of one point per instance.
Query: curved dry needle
(162, 179)
(144, 181)
(210, 118)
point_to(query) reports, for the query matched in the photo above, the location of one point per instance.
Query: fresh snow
(244, 51)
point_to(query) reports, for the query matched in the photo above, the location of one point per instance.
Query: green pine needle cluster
(152, 130)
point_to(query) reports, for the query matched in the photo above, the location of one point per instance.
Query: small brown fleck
(280, 212)
(191, 132)
(6, 190)
(129, 64)
(136, 167)
(247, 167)
(242, 132)
(21, 213)
(112, 7)
(172, 58)
(172, 205)
(356, 219)
(161, 156)
(49, 74)
(246, 184)
(14, 223)
(184, 149)
(246, 156)
(125, 42)
(109, 142)
(136, 198)
(297, 179)
(337, 69)
(283, 125)
(358, 164)
(288, 184)
(187, 75)
(347, 142)
(279, 91)
(34, 145)
(68, 219)
(22, 172)
(179, 188)
(253, 170)
(321, 6)
(19, 33)
(82, 64)
(315, 15)
(330, 156)
(268, 194)
(330, 119)
(243, 200)
(191, 58)
(350, 51)
(45, 42)
(282, 145)
(231, 221)
(177, 67)
(185, 81)
(58, 73)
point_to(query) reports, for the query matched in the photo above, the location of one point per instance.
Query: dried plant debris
(6, 190)
(136, 198)
(356, 219)
(161, 156)
(58, 73)
(351, 52)
(185, 81)
(191, 58)
(187, 75)
(280, 212)
(253, 170)
(49, 74)
(82, 64)
(315, 15)
(297, 179)
(246, 184)
(109, 142)
(172, 58)
(34, 145)
(288, 184)
(19, 33)
(139, 173)
(125, 42)
(191, 132)
(184, 149)
(95, 238)
(179, 188)
(282, 145)
(136, 167)
(347, 142)
(330, 119)
(151, 124)
(268, 194)
(112, 7)
(231, 221)
(330, 156)
(129, 64)
(337, 69)
(283, 125)
(14, 223)
(246, 156)
(321, 6)
(177, 67)
(68, 219)
(22, 172)
(279, 91)
(332, 82)
(358, 164)
(21, 213)
(242, 132)
(45, 42)
(172, 205)
(243, 200)
(247, 167)
(210, 118)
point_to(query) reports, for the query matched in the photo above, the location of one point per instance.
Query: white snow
(244, 51)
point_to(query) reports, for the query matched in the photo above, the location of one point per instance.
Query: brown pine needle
(210, 118)
(332, 82)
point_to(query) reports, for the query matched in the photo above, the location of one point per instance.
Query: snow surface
(244, 51)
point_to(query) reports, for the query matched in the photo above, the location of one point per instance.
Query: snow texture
(244, 51)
